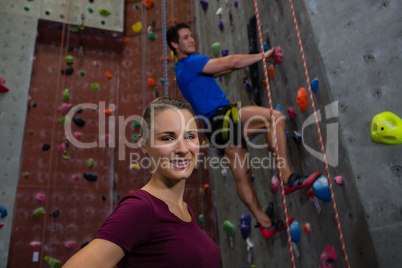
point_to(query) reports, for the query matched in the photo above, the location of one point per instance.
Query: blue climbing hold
(3, 212)
(295, 232)
(225, 52)
(321, 189)
(245, 221)
(266, 47)
(247, 85)
(204, 4)
(314, 85)
(221, 25)
(278, 107)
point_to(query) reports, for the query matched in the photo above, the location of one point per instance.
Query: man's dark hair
(172, 34)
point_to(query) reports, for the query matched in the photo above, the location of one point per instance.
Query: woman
(154, 227)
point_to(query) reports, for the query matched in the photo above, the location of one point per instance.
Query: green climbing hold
(104, 12)
(118, 196)
(69, 59)
(26, 8)
(63, 120)
(31, 131)
(91, 162)
(74, 29)
(216, 48)
(201, 219)
(26, 174)
(136, 124)
(90, 10)
(172, 67)
(95, 86)
(135, 137)
(151, 36)
(82, 73)
(137, 7)
(386, 127)
(162, 80)
(38, 212)
(229, 228)
(52, 262)
(66, 95)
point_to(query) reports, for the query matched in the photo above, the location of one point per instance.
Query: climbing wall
(350, 93)
(59, 203)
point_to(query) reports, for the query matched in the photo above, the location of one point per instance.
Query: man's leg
(239, 165)
(255, 118)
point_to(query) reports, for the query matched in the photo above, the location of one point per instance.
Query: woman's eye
(167, 138)
(190, 137)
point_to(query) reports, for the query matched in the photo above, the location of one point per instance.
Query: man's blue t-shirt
(200, 90)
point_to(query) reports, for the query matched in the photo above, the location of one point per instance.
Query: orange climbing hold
(148, 3)
(167, 58)
(151, 82)
(302, 99)
(126, 40)
(271, 71)
(108, 112)
(109, 75)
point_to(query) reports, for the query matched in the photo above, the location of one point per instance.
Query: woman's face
(173, 144)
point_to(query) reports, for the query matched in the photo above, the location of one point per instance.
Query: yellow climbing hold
(137, 27)
(135, 166)
(386, 127)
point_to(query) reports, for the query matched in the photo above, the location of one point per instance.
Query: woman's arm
(99, 253)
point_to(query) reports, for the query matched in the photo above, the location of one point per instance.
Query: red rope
(285, 210)
(320, 137)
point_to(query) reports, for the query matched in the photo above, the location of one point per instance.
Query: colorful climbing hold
(277, 56)
(65, 107)
(69, 59)
(201, 218)
(91, 177)
(314, 85)
(307, 228)
(229, 228)
(63, 120)
(108, 75)
(302, 99)
(26, 174)
(338, 180)
(74, 29)
(104, 12)
(26, 8)
(136, 124)
(78, 121)
(151, 36)
(247, 85)
(3, 212)
(75, 177)
(292, 113)
(91, 162)
(137, 7)
(321, 189)
(55, 213)
(148, 3)
(126, 40)
(95, 86)
(35, 245)
(245, 222)
(274, 184)
(265, 46)
(66, 95)
(236, 3)
(225, 52)
(3, 88)
(216, 48)
(68, 70)
(328, 255)
(297, 137)
(108, 112)
(95, 63)
(204, 4)
(90, 10)
(206, 186)
(278, 107)
(221, 25)
(40, 197)
(271, 71)
(45, 147)
(38, 212)
(137, 27)
(82, 73)
(77, 135)
(31, 131)
(135, 137)
(151, 82)
(219, 11)
(386, 127)
(134, 166)
(295, 232)
(162, 80)
(52, 262)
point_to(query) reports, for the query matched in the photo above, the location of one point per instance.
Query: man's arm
(233, 62)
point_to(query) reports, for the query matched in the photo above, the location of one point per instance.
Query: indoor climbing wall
(349, 94)
(98, 82)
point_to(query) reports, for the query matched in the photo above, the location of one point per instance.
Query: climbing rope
(165, 72)
(271, 112)
(320, 137)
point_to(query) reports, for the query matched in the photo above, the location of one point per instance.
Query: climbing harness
(235, 116)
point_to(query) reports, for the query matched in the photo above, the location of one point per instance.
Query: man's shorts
(215, 128)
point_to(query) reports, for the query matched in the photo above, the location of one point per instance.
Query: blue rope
(165, 75)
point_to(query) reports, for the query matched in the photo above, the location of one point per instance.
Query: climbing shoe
(297, 182)
(276, 226)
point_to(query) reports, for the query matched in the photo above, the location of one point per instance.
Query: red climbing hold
(327, 255)
(148, 3)
(1, 225)
(151, 82)
(108, 112)
(291, 113)
(65, 107)
(3, 88)
(277, 55)
(77, 135)
(307, 228)
(206, 186)
(271, 71)
(274, 184)
(167, 58)
(109, 75)
(302, 99)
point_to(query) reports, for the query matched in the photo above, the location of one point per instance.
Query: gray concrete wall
(355, 51)
(17, 41)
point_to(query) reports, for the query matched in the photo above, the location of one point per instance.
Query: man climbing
(195, 76)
